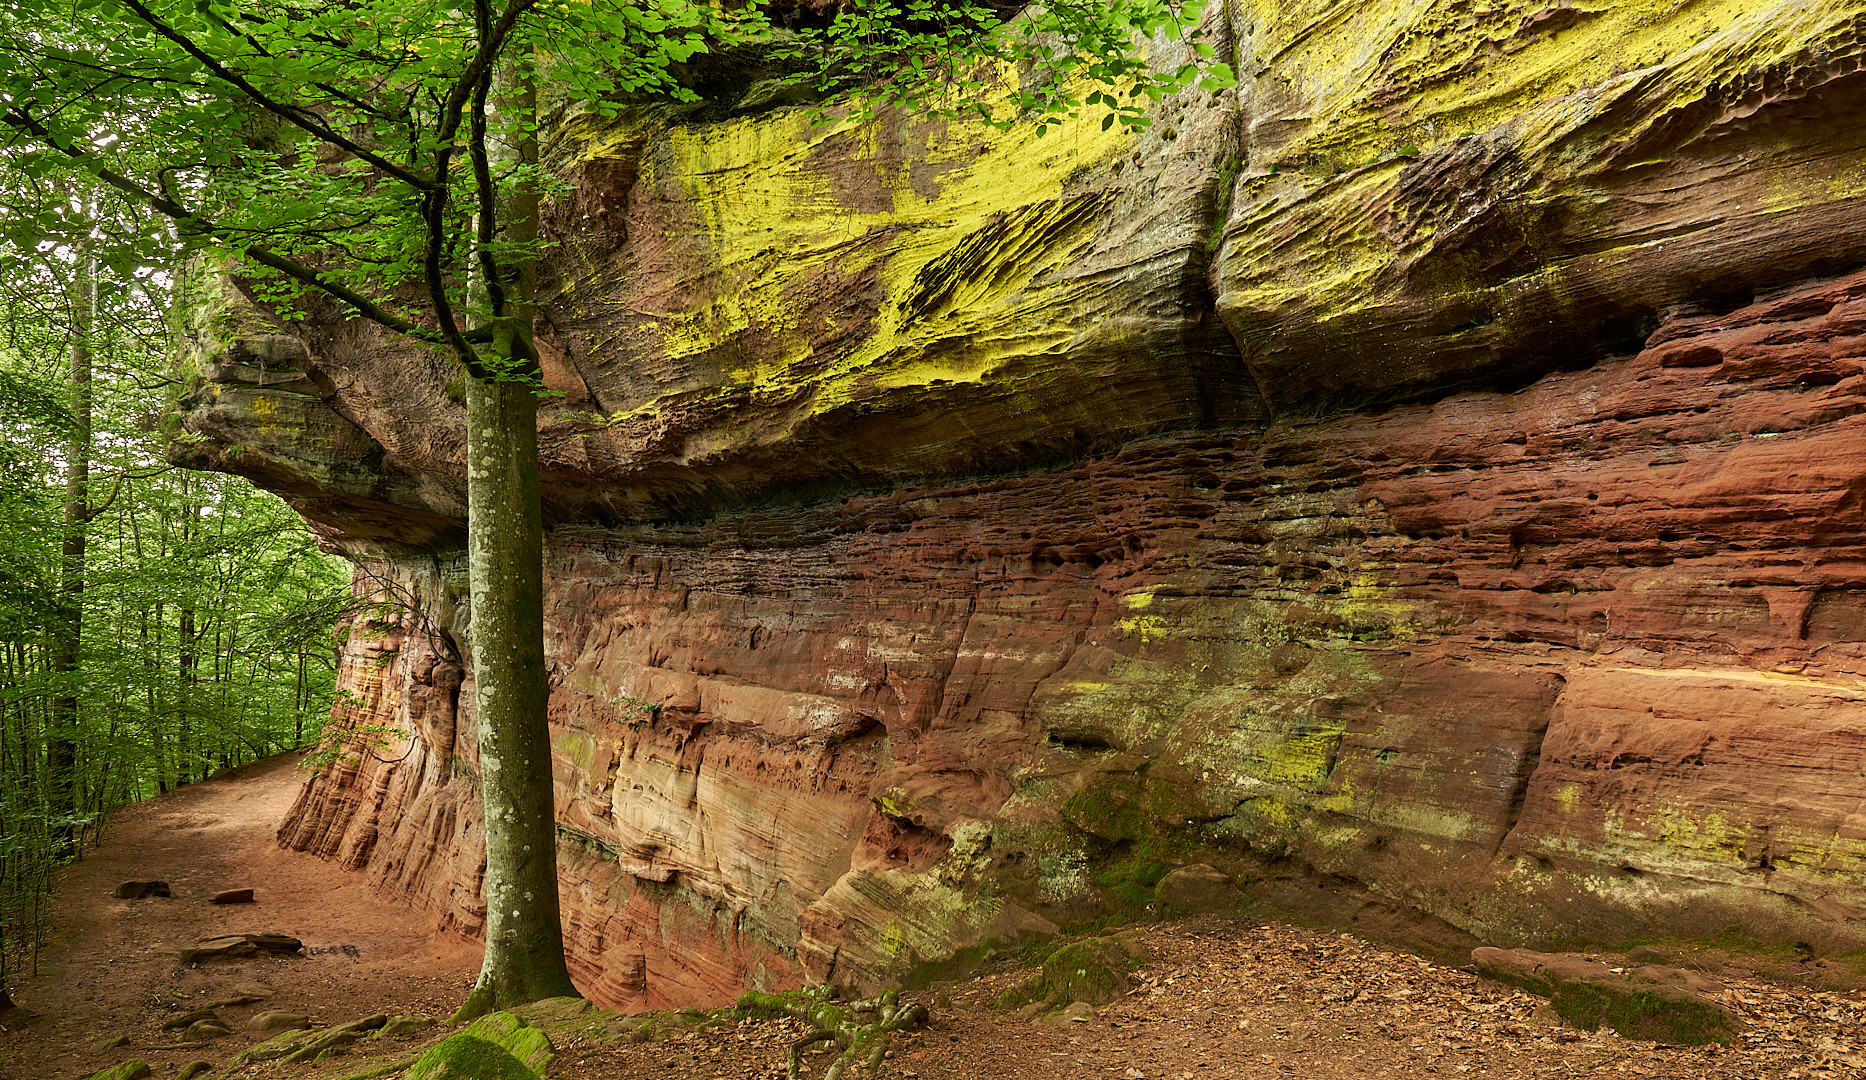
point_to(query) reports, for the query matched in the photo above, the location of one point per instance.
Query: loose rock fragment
(176, 1022)
(1667, 1005)
(401, 1025)
(205, 1031)
(237, 945)
(324, 1041)
(272, 1022)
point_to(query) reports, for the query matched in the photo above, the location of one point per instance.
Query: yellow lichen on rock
(973, 217)
(1450, 183)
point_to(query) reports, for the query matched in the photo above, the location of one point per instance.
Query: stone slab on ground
(175, 1023)
(274, 1021)
(238, 945)
(206, 1031)
(1666, 1005)
(402, 1025)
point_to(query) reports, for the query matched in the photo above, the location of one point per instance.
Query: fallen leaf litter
(1225, 999)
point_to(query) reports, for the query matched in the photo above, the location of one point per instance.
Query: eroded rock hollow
(1422, 487)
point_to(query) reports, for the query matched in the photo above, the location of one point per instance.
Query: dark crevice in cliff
(1078, 742)
(1528, 757)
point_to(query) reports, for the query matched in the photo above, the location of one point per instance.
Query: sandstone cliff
(1423, 484)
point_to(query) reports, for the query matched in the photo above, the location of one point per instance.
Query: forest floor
(111, 969)
(1219, 999)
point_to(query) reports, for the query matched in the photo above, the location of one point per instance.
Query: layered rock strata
(1427, 475)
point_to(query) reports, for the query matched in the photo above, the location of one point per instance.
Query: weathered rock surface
(402, 1025)
(1668, 1005)
(272, 1022)
(133, 1069)
(233, 896)
(498, 1046)
(1089, 972)
(175, 1023)
(1425, 480)
(233, 946)
(297, 1043)
(202, 1031)
(1196, 888)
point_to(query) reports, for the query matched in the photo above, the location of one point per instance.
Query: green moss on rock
(497, 1046)
(1637, 1014)
(1666, 1005)
(1094, 970)
(468, 1057)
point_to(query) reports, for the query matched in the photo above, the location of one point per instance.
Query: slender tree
(68, 631)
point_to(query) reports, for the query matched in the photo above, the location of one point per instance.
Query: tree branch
(486, 225)
(490, 42)
(434, 216)
(191, 222)
(260, 48)
(291, 114)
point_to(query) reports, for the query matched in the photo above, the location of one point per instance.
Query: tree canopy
(348, 150)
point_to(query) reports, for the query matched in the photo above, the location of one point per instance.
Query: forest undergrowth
(157, 626)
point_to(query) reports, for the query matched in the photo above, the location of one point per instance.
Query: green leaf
(1218, 77)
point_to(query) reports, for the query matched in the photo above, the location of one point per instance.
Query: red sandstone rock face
(1422, 484)
(1585, 659)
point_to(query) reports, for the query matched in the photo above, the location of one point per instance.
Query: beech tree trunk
(505, 549)
(61, 756)
(505, 557)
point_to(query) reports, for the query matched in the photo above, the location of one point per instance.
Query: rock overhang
(1063, 511)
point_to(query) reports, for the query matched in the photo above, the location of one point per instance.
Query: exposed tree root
(860, 1029)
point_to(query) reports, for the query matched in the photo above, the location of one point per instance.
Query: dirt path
(111, 966)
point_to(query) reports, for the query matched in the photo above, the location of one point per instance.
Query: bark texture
(524, 949)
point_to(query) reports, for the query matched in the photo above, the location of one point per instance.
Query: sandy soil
(111, 968)
(1221, 999)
